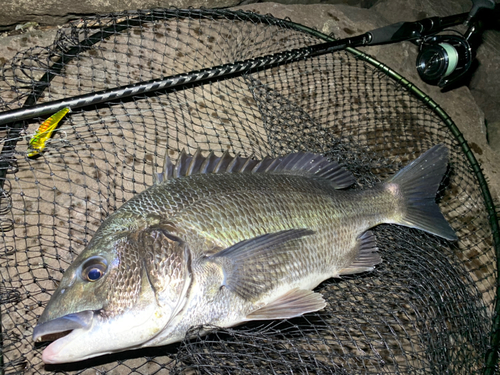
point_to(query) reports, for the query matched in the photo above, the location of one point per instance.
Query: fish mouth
(59, 327)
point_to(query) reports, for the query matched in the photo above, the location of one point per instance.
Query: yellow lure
(39, 140)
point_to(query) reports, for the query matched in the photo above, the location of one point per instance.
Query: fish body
(38, 141)
(220, 241)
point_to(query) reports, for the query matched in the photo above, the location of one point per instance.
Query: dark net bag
(429, 308)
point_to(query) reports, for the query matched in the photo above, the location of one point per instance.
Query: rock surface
(467, 107)
(50, 12)
(341, 20)
(460, 104)
(485, 79)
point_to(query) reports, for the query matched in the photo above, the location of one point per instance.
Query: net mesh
(425, 310)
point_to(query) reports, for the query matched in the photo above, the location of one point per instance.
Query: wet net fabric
(427, 309)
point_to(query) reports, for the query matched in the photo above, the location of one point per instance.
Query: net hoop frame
(7, 161)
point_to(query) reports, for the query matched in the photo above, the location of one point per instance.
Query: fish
(219, 241)
(38, 141)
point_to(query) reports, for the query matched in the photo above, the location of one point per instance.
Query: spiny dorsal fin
(301, 163)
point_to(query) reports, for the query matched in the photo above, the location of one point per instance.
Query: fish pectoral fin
(294, 303)
(368, 256)
(246, 265)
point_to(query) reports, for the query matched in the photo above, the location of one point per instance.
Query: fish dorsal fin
(301, 163)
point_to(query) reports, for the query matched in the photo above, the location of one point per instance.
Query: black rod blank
(176, 81)
(388, 34)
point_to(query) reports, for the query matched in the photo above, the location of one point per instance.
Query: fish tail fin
(418, 184)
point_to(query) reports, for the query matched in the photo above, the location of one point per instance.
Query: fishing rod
(442, 60)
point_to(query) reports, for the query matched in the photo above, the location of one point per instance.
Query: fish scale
(225, 204)
(223, 240)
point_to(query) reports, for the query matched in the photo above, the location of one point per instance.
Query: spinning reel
(443, 59)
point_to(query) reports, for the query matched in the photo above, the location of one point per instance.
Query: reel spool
(443, 59)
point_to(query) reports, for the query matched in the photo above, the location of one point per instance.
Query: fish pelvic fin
(301, 163)
(416, 185)
(294, 303)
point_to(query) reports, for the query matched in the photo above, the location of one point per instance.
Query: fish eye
(94, 269)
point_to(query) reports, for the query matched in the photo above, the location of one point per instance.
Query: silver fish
(224, 240)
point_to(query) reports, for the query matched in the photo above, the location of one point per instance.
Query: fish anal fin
(294, 303)
(368, 256)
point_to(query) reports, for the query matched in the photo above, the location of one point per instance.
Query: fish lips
(59, 327)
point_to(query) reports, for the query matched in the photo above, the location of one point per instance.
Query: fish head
(118, 294)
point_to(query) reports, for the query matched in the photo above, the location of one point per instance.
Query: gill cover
(167, 263)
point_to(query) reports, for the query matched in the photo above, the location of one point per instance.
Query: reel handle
(477, 5)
